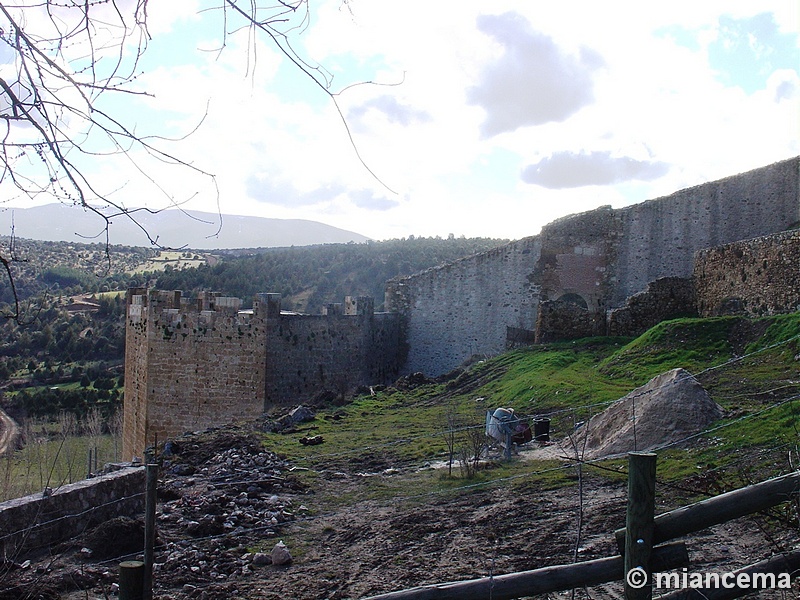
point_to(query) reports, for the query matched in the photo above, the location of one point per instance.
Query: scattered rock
(412, 381)
(314, 440)
(287, 422)
(280, 554)
(182, 470)
(261, 559)
(301, 414)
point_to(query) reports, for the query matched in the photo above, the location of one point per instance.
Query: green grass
(557, 375)
(780, 329)
(50, 460)
(692, 344)
(748, 366)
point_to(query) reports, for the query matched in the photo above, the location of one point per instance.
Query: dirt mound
(667, 409)
(117, 537)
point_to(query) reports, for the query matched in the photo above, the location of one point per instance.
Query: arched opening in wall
(574, 300)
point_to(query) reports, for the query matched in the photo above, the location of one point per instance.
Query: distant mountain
(171, 228)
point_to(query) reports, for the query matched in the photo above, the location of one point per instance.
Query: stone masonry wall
(192, 365)
(196, 364)
(349, 346)
(37, 521)
(464, 308)
(659, 237)
(203, 365)
(755, 277)
(135, 399)
(663, 299)
(598, 258)
(575, 258)
(560, 320)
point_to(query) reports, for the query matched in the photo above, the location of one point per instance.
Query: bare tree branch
(68, 56)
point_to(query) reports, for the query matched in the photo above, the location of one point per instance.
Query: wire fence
(563, 421)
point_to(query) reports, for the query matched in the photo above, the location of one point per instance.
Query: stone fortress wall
(463, 308)
(192, 364)
(590, 263)
(189, 365)
(755, 277)
(348, 345)
(196, 363)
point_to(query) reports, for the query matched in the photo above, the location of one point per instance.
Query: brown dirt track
(365, 548)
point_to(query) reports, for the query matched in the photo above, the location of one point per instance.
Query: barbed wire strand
(594, 463)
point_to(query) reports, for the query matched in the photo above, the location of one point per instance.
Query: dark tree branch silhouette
(66, 58)
(70, 60)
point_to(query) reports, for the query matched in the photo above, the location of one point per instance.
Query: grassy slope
(749, 367)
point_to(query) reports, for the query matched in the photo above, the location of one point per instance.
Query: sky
(470, 118)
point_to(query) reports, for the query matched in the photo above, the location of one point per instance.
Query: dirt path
(226, 500)
(9, 433)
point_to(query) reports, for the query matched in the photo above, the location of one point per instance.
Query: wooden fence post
(149, 527)
(131, 580)
(722, 508)
(639, 525)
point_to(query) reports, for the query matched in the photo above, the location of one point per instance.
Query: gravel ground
(225, 502)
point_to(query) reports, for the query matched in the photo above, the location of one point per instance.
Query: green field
(750, 368)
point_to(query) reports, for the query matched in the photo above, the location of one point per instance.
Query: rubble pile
(237, 492)
(222, 496)
(219, 502)
(222, 502)
(669, 408)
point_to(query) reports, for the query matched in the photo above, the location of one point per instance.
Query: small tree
(93, 428)
(471, 448)
(451, 425)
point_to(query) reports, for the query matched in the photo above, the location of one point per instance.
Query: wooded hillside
(66, 350)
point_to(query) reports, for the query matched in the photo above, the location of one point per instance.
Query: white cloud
(483, 91)
(568, 170)
(534, 81)
(391, 109)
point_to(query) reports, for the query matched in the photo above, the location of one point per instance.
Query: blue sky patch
(748, 51)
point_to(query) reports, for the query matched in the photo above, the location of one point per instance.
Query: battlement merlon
(361, 305)
(265, 305)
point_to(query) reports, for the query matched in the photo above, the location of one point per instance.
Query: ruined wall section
(560, 320)
(575, 258)
(351, 345)
(663, 299)
(135, 406)
(594, 260)
(466, 307)
(754, 277)
(659, 237)
(193, 366)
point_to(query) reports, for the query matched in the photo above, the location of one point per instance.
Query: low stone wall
(663, 299)
(40, 520)
(755, 277)
(559, 320)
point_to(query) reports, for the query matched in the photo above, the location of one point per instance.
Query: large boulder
(667, 409)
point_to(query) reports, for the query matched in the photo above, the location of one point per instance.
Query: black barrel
(541, 429)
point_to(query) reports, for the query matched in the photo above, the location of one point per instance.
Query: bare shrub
(472, 443)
